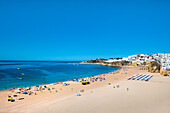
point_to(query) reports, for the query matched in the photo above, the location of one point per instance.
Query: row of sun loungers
(141, 77)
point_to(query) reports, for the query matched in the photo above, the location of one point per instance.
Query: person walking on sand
(17, 96)
(127, 89)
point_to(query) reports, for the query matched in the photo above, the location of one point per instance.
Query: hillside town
(159, 62)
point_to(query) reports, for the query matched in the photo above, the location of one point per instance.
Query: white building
(161, 58)
(113, 60)
(125, 59)
(165, 60)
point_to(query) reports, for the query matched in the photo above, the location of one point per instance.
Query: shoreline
(66, 94)
(69, 81)
(91, 63)
(10, 89)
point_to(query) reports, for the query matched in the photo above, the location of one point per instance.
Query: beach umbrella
(24, 92)
(64, 84)
(78, 94)
(9, 99)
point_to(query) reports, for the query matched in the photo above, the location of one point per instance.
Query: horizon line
(40, 60)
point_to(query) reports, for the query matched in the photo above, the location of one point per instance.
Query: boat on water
(19, 78)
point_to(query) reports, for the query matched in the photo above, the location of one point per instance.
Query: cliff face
(117, 64)
(94, 61)
(84, 62)
(154, 67)
(164, 72)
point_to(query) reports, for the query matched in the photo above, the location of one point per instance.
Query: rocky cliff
(94, 61)
(154, 67)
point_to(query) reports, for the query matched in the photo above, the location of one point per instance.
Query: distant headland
(155, 63)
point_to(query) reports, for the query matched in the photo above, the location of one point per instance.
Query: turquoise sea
(30, 73)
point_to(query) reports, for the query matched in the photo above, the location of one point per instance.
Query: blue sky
(82, 30)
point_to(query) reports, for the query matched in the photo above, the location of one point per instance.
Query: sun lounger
(144, 78)
(12, 100)
(129, 78)
(148, 78)
(134, 77)
(15, 95)
(139, 78)
(21, 98)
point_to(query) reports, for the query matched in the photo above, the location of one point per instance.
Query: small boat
(20, 78)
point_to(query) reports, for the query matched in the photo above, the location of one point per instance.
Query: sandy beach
(132, 96)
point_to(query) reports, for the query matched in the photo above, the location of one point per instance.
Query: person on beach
(82, 90)
(29, 93)
(9, 95)
(17, 96)
(127, 89)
